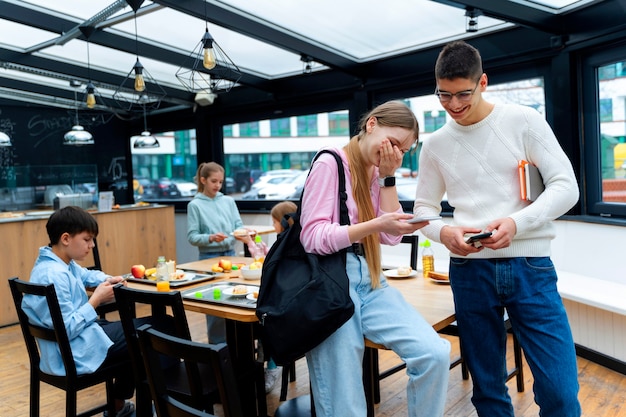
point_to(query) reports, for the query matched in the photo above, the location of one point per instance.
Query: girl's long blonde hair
(391, 114)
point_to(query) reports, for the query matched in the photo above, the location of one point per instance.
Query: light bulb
(91, 100)
(209, 61)
(140, 84)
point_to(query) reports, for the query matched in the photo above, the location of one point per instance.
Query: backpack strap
(343, 196)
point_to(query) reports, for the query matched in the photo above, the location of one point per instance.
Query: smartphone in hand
(478, 237)
(419, 219)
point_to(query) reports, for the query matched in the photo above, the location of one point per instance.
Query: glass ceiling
(360, 31)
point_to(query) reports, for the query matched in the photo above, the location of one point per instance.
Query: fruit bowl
(248, 273)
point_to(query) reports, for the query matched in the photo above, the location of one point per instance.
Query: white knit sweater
(476, 166)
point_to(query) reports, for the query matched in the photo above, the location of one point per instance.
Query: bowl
(251, 274)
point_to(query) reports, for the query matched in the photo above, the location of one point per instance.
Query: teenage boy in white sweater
(474, 159)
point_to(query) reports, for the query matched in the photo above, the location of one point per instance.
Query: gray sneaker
(126, 411)
(271, 376)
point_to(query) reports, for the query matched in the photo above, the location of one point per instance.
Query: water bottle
(161, 269)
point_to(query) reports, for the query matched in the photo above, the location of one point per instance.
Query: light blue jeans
(526, 287)
(382, 316)
(216, 326)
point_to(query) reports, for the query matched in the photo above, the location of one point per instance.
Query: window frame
(590, 146)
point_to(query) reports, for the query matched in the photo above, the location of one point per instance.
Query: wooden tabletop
(433, 300)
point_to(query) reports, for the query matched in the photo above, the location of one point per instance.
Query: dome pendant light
(5, 140)
(78, 135)
(146, 140)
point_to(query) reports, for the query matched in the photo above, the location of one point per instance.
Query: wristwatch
(387, 182)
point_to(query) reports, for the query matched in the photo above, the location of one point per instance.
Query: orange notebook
(530, 181)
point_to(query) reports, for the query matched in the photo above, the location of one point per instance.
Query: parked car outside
(266, 180)
(149, 188)
(167, 188)
(274, 177)
(186, 188)
(284, 190)
(229, 186)
(245, 178)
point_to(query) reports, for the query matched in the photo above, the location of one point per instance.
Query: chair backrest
(128, 299)
(96, 257)
(154, 344)
(31, 332)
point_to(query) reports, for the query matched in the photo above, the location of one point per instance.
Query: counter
(128, 236)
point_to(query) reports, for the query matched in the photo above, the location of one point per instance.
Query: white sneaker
(126, 411)
(271, 376)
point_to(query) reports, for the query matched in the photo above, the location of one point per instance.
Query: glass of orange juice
(163, 286)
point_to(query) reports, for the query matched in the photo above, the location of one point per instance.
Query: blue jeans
(382, 316)
(216, 326)
(526, 287)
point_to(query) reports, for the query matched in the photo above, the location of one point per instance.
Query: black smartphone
(476, 238)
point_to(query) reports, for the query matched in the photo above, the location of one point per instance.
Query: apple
(225, 264)
(138, 271)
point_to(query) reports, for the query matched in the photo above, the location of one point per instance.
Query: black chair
(128, 301)
(154, 345)
(301, 406)
(103, 308)
(71, 383)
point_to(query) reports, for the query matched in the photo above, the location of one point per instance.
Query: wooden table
(240, 336)
(434, 301)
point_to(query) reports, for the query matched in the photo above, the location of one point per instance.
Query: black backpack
(303, 297)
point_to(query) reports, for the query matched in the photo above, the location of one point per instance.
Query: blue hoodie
(207, 216)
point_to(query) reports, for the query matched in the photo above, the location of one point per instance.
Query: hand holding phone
(419, 219)
(478, 237)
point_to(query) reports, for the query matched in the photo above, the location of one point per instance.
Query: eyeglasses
(465, 95)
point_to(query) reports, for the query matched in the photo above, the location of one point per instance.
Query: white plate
(186, 277)
(251, 297)
(229, 291)
(393, 273)
(250, 233)
(440, 281)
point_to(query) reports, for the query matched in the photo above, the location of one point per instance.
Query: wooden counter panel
(126, 237)
(19, 247)
(137, 236)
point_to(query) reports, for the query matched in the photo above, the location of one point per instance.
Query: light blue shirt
(207, 216)
(88, 340)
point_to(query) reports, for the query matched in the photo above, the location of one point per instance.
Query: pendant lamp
(145, 140)
(5, 140)
(139, 89)
(78, 135)
(208, 69)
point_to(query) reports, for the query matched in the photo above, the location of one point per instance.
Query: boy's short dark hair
(458, 59)
(72, 220)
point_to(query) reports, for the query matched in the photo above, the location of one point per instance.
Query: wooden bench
(596, 292)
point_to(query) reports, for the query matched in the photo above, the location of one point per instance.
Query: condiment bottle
(161, 269)
(428, 258)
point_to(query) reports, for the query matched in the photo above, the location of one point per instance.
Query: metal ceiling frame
(536, 25)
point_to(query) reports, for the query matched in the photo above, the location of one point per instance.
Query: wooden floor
(602, 393)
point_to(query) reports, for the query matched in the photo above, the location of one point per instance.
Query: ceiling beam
(264, 31)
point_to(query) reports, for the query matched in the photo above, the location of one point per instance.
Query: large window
(166, 172)
(270, 163)
(604, 147)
